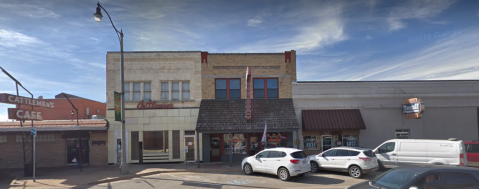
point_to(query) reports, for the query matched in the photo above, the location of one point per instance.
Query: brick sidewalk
(69, 177)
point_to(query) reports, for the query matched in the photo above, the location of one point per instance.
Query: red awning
(346, 119)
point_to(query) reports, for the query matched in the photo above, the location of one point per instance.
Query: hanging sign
(20, 114)
(117, 105)
(20, 100)
(413, 108)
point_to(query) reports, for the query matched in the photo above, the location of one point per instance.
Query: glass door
(327, 143)
(73, 151)
(215, 148)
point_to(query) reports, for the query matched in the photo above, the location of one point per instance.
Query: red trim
(266, 85)
(227, 86)
(287, 57)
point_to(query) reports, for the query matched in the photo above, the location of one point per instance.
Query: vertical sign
(117, 106)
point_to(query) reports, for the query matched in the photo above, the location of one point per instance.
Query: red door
(215, 147)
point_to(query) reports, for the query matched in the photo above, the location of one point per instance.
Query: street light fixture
(124, 168)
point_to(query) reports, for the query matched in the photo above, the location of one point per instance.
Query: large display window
(311, 142)
(238, 142)
(278, 139)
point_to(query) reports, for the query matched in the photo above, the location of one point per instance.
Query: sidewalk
(69, 177)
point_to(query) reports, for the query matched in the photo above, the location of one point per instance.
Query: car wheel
(355, 171)
(314, 167)
(283, 174)
(248, 169)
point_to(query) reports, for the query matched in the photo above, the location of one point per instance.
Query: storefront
(228, 136)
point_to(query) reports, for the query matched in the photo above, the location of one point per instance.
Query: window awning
(344, 119)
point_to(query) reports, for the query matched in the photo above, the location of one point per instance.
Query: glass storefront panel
(350, 140)
(277, 140)
(312, 142)
(238, 142)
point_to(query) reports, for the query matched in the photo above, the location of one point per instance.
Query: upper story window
(228, 88)
(175, 90)
(137, 91)
(265, 88)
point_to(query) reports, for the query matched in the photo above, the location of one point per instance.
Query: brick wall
(263, 65)
(62, 109)
(11, 152)
(98, 153)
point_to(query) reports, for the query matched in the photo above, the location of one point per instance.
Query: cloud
(32, 10)
(11, 39)
(254, 22)
(369, 37)
(416, 9)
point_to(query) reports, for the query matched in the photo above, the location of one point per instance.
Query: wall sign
(20, 114)
(153, 105)
(20, 100)
(413, 108)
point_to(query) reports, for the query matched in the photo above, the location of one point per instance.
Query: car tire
(355, 171)
(247, 169)
(314, 167)
(283, 174)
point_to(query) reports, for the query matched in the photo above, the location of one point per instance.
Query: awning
(344, 119)
(56, 125)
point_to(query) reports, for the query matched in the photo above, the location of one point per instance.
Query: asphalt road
(236, 180)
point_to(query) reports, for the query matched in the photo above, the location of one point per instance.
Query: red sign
(20, 100)
(153, 105)
(20, 114)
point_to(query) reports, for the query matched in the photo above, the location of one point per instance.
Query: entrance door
(73, 151)
(190, 144)
(327, 143)
(215, 151)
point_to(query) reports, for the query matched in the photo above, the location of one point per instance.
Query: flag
(264, 133)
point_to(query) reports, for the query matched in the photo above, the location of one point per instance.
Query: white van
(402, 152)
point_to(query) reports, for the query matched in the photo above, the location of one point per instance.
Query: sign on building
(413, 108)
(20, 114)
(20, 100)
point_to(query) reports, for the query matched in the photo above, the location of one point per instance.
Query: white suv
(284, 162)
(355, 161)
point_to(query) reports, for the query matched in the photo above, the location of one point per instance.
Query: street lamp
(124, 168)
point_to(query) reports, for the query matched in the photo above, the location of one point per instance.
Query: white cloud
(31, 10)
(416, 9)
(369, 37)
(254, 22)
(10, 39)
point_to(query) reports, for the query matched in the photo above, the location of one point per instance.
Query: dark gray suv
(423, 177)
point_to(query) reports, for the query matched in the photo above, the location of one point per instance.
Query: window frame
(266, 87)
(170, 90)
(227, 87)
(142, 91)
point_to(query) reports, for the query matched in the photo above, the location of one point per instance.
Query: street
(324, 179)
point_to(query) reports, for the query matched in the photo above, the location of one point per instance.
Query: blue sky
(56, 46)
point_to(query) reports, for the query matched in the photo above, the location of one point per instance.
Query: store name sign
(20, 114)
(153, 105)
(20, 100)
(413, 108)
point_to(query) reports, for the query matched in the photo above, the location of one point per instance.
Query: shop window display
(338, 141)
(276, 140)
(311, 142)
(350, 140)
(238, 142)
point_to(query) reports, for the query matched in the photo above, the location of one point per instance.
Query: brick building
(59, 136)
(241, 93)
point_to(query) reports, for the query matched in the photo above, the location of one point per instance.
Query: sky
(53, 46)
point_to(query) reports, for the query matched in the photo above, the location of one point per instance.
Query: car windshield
(298, 154)
(394, 179)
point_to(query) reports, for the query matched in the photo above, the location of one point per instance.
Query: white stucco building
(367, 113)
(162, 99)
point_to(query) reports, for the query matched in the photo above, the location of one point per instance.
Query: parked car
(423, 177)
(472, 149)
(354, 160)
(283, 162)
(405, 152)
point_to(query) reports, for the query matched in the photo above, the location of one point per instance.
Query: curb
(126, 177)
(14, 182)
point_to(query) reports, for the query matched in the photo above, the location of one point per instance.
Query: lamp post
(124, 168)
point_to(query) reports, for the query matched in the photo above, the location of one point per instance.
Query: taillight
(365, 159)
(461, 159)
(295, 161)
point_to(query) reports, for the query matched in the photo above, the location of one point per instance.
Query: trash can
(28, 170)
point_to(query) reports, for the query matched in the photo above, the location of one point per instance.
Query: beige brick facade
(263, 65)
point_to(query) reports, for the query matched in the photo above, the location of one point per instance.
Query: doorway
(215, 144)
(190, 145)
(327, 142)
(73, 151)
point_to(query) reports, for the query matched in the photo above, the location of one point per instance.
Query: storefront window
(350, 140)
(276, 140)
(337, 140)
(311, 142)
(238, 142)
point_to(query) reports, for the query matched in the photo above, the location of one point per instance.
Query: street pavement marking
(240, 182)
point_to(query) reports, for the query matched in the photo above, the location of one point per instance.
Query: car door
(259, 162)
(386, 153)
(341, 159)
(273, 162)
(326, 159)
(473, 154)
(456, 180)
